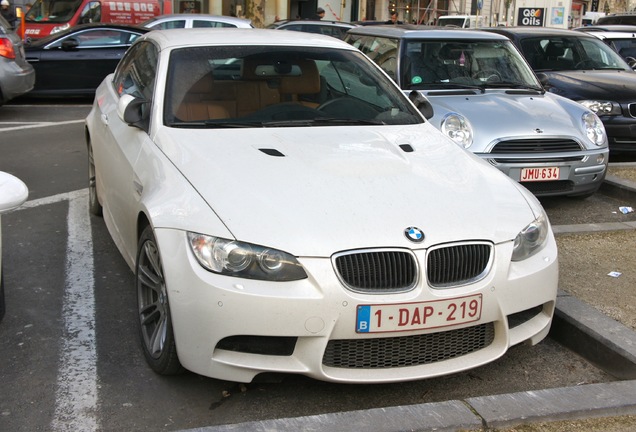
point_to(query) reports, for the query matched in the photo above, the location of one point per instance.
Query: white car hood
(337, 188)
(497, 115)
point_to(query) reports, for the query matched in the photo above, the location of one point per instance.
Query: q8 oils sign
(532, 17)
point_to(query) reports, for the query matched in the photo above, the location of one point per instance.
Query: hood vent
(272, 152)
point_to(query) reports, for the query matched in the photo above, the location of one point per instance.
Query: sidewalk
(577, 325)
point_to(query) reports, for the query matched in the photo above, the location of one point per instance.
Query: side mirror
(422, 104)
(544, 80)
(70, 44)
(131, 110)
(13, 192)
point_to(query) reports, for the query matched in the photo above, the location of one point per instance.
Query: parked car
(487, 99)
(607, 28)
(286, 208)
(13, 192)
(581, 67)
(461, 21)
(622, 42)
(16, 74)
(74, 62)
(174, 21)
(627, 19)
(337, 29)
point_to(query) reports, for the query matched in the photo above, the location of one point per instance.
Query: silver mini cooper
(487, 99)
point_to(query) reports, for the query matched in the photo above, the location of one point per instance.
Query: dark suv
(583, 68)
(629, 19)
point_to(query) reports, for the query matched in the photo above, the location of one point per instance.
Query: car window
(206, 24)
(169, 25)
(570, 53)
(98, 38)
(382, 50)
(256, 86)
(135, 74)
(625, 47)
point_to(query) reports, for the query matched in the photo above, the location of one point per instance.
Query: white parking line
(76, 393)
(32, 125)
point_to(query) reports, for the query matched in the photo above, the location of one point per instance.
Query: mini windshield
(559, 53)
(260, 86)
(53, 11)
(433, 64)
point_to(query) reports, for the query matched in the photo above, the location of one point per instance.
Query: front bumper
(581, 173)
(235, 329)
(15, 80)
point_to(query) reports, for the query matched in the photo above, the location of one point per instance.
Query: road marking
(76, 394)
(39, 125)
(67, 196)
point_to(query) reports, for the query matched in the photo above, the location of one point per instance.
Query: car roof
(608, 28)
(314, 22)
(176, 38)
(201, 17)
(613, 35)
(536, 31)
(410, 31)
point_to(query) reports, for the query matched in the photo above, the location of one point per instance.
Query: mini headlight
(245, 260)
(601, 107)
(458, 128)
(531, 239)
(594, 129)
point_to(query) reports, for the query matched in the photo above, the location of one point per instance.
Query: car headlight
(458, 128)
(58, 29)
(245, 260)
(594, 129)
(601, 108)
(531, 239)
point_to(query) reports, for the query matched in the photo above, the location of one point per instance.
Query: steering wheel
(348, 107)
(489, 75)
(584, 64)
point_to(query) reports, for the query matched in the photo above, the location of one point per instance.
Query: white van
(461, 21)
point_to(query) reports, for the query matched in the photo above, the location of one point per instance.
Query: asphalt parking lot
(45, 147)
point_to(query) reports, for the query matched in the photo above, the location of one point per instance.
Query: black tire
(155, 323)
(94, 206)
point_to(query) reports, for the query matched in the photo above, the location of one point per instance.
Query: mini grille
(548, 145)
(378, 270)
(458, 264)
(406, 351)
(632, 109)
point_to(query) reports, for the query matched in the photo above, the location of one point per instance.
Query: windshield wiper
(214, 124)
(513, 85)
(445, 85)
(322, 121)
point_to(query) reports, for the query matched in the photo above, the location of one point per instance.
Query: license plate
(418, 316)
(539, 174)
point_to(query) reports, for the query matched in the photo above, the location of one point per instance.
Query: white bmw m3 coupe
(286, 208)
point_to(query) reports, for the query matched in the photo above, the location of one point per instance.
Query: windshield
(432, 64)
(558, 53)
(52, 11)
(451, 22)
(262, 86)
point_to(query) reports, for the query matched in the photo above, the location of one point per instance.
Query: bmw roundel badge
(414, 234)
